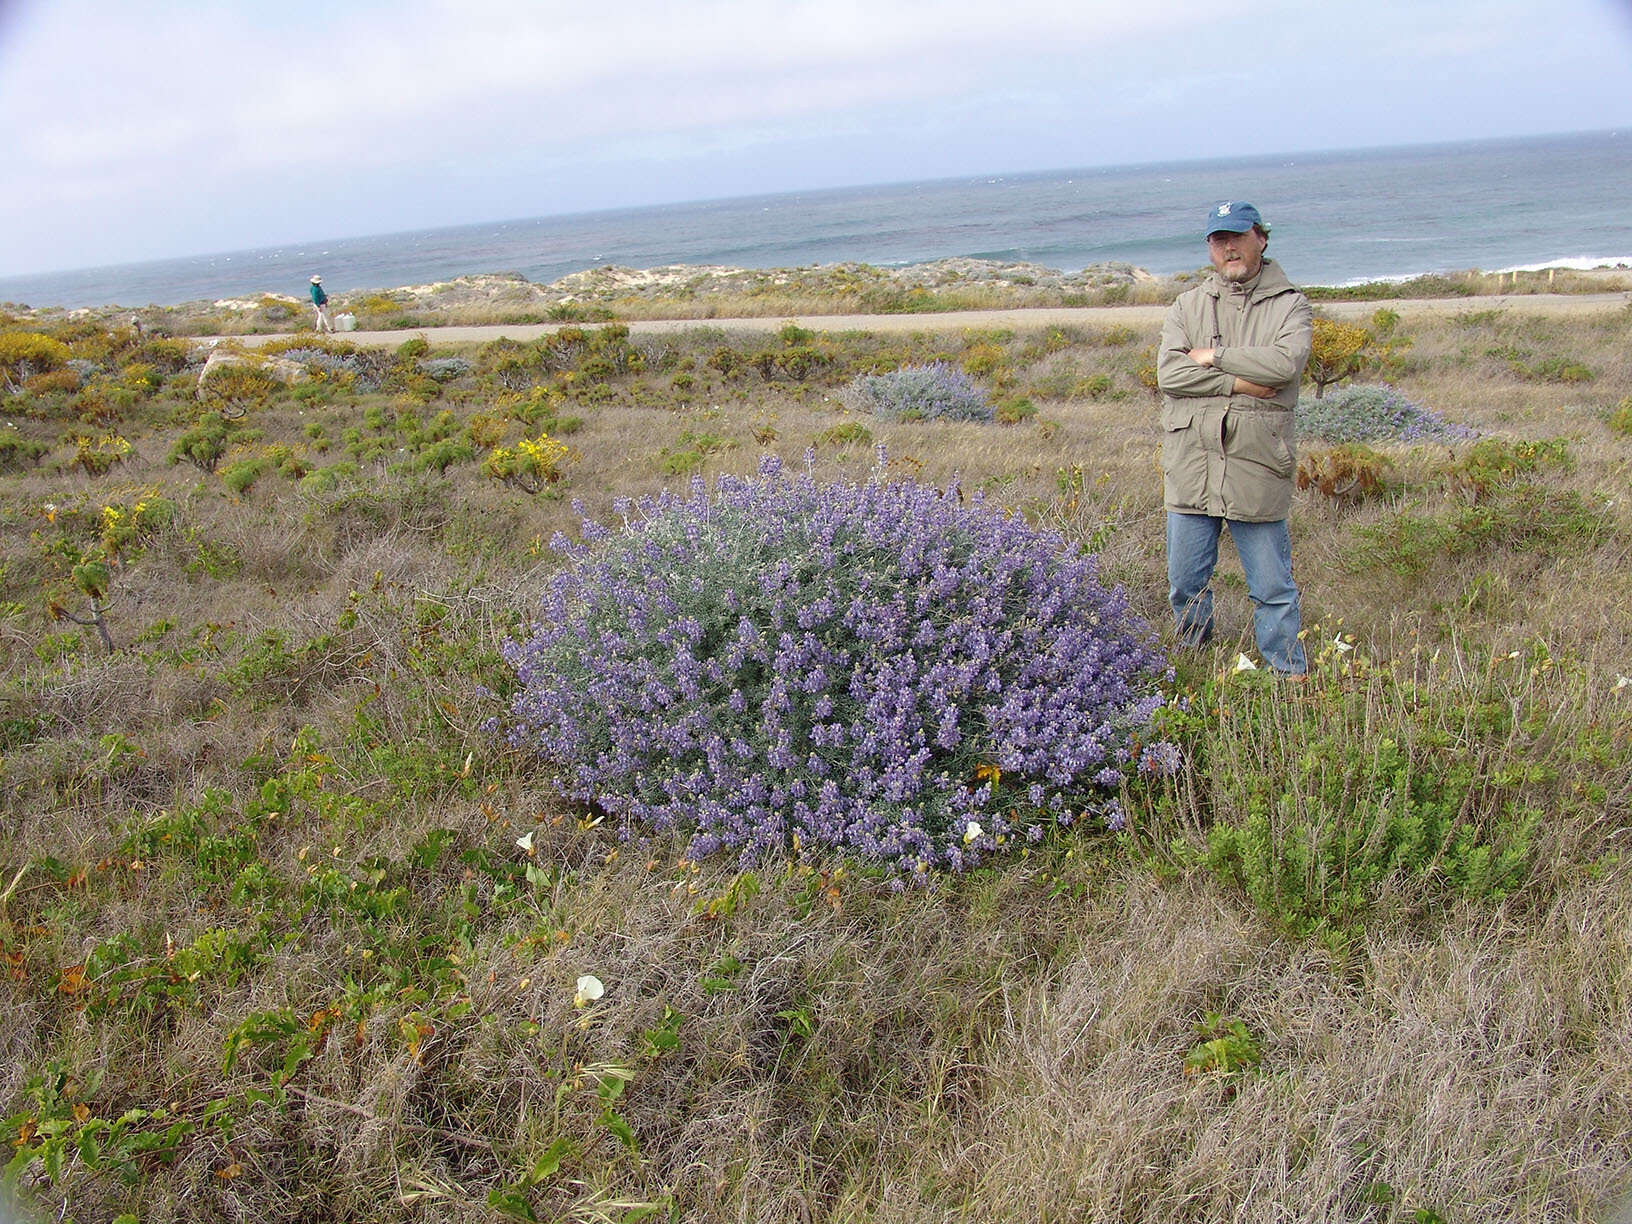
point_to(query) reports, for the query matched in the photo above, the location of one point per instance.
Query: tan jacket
(1232, 456)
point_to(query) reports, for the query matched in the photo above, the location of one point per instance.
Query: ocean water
(1336, 218)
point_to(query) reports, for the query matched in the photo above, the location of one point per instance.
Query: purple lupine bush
(933, 392)
(1374, 412)
(879, 669)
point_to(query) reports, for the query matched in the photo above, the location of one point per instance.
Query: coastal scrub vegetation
(609, 294)
(292, 927)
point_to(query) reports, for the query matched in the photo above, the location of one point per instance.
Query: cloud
(110, 81)
(306, 118)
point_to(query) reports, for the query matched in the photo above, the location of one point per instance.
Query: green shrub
(510, 364)
(240, 475)
(325, 479)
(1094, 387)
(204, 444)
(419, 435)
(728, 362)
(680, 462)
(1523, 518)
(18, 453)
(1559, 370)
(1014, 410)
(1493, 462)
(537, 408)
(1370, 812)
(707, 443)
(313, 394)
(692, 449)
(168, 356)
(798, 364)
(1226, 1048)
(983, 360)
(287, 462)
(443, 454)
(595, 356)
(848, 433)
(1620, 417)
(596, 369)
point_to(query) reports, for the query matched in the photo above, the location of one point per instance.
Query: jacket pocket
(1265, 440)
(1184, 459)
(1259, 463)
(1176, 414)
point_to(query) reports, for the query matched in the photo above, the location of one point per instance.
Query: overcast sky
(142, 130)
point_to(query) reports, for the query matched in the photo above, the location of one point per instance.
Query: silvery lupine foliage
(444, 369)
(333, 363)
(1374, 412)
(874, 668)
(936, 391)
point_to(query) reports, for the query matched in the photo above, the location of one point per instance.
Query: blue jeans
(1265, 550)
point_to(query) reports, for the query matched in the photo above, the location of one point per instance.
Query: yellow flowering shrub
(123, 524)
(25, 354)
(98, 454)
(1337, 352)
(531, 464)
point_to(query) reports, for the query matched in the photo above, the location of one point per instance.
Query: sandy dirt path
(1031, 319)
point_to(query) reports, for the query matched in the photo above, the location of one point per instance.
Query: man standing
(320, 303)
(1232, 354)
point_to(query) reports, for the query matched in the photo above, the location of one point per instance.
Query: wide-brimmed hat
(1233, 217)
(317, 280)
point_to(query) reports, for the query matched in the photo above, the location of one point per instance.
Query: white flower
(1339, 645)
(589, 989)
(971, 831)
(1242, 663)
(526, 843)
(1621, 682)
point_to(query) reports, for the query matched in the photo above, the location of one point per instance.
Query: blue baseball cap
(1232, 216)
